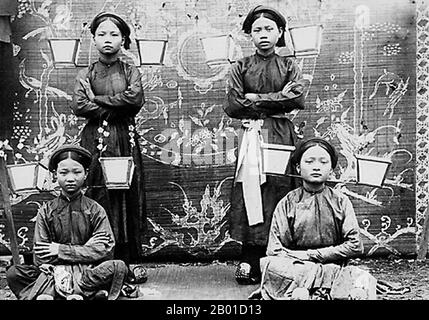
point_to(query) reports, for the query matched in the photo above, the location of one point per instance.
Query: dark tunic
(265, 76)
(71, 223)
(325, 225)
(324, 222)
(118, 98)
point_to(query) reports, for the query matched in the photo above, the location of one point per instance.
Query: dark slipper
(101, 295)
(129, 291)
(243, 274)
(139, 275)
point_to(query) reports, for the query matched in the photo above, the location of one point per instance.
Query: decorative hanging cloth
(249, 171)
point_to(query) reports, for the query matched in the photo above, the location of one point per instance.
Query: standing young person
(109, 95)
(263, 89)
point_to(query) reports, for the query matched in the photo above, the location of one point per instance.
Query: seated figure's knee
(11, 275)
(20, 276)
(121, 265)
(110, 266)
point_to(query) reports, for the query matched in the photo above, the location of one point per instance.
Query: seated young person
(73, 241)
(313, 233)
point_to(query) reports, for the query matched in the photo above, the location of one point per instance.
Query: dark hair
(117, 20)
(268, 15)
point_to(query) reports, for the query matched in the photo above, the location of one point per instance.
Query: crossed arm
(280, 238)
(251, 105)
(97, 247)
(90, 105)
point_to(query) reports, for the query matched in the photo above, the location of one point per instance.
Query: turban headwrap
(117, 20)
(75, 152)
(307, 144)
(268, 13)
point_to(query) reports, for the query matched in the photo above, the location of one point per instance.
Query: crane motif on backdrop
(49, 137)
(395, 89)
(33, 84)
(55, 136)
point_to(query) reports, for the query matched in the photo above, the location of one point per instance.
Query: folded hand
(46, 249)
(251, 96)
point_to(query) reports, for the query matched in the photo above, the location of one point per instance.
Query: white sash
(249, 171)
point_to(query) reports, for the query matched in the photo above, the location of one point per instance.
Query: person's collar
(266, 56)
(108, 64)
(313, 192)
(72, 198)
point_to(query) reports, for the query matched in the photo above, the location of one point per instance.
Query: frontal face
(265, 33)
(71, 176)
(315, 166)
(108, 38)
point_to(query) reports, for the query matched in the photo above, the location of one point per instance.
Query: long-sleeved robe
(118, 98)
(265, 76)
(71, 223)
(324, 224)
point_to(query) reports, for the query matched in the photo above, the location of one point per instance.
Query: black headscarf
(75, 152)
(117, 20)
(307, 144)
(269, 13)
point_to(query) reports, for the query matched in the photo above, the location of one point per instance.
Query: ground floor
(215, 280)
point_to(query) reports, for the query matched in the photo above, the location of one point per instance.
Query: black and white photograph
(205, 157)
